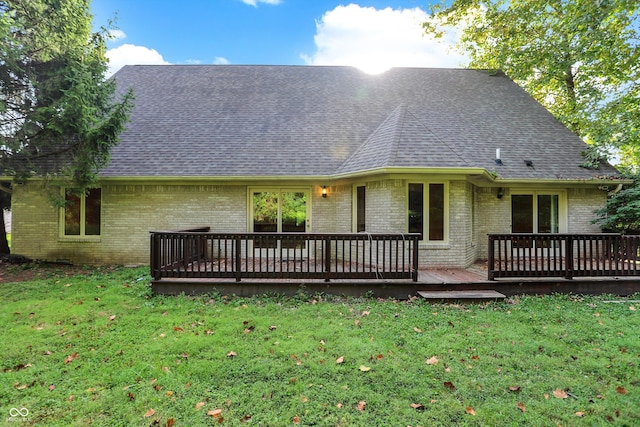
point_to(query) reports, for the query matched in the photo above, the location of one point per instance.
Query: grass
(98, 349)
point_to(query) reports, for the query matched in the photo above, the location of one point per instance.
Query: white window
(428, 211)
(538, 212)
(81, 215)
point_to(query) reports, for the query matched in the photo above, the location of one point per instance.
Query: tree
(59, 117)
(579, 58)
(622, 211)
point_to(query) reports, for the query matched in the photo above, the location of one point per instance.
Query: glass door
(280, 211)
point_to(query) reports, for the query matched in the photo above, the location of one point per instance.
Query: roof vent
(497, 159)
(529, 163)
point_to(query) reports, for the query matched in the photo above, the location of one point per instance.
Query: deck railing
(197, 253)
(563, 255)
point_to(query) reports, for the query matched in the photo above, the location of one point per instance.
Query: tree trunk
(4, 244)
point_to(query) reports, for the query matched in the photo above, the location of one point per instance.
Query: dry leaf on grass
(521, 406)
(469, 410)
(560, 394)
(621, 390)
(215, 413)
(149, 413)
(432, 360)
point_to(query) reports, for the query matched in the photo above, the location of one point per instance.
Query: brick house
(453, 154)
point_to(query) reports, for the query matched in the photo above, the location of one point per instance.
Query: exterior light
(324, 191)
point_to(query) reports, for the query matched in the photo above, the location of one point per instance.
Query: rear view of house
(450, 154)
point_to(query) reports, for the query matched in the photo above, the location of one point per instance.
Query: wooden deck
(473, 278)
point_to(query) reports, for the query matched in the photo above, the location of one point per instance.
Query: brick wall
(130, 211)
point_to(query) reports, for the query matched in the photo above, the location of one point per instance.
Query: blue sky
(370, 34)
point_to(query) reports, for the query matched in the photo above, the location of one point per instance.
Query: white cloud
(376, 40)
(254, 3)
(115, 35)
(129, 54)
(220, 60)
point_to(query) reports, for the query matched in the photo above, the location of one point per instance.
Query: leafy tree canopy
(579, 58)
(58, 114)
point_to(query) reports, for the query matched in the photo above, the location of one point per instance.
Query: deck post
(327, 259)
(414, 273)
(568, 259)
(154, 261)
(238, 262)
(491, 259)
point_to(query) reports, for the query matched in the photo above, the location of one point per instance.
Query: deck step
(470, 295)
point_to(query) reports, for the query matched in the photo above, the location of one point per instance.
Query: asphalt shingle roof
(297, 121)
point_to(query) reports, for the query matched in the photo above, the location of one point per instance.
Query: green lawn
(100, 350)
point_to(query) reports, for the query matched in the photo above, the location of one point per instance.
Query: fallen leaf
(417, 406)
(70, 358)
(364, 368)
(469, 410)
(366, 313)
(361, 405)
(340, 360)
(112, 318)
(432, 360)
(579, 414)
(199, 405)
(131, 396)
(232, 354)
(449, 385)
(149, 413)
(169, 393)
(515, 388)
(339, 405)
(521, 406)
(632, 308)
(178, 329)
(171, 422)
(621, 390)
(475, 357)
(560, 394)
(296, 420)
(418, 330)
(215, 413)
(52, 387)
(273, 328)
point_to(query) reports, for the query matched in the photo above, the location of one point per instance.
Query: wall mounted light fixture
(324, 191)
(500, 192)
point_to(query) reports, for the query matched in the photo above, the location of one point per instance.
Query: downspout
(615, 190)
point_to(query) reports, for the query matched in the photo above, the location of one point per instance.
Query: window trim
(280, 189)
(563, 211)
(425, 210)
(82, 237)
(354, 222)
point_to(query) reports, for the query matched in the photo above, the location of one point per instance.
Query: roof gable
(402, 141)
